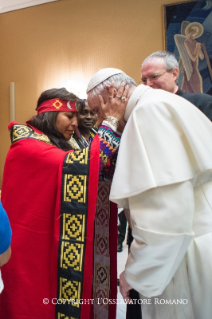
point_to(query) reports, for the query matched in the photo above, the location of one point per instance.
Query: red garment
(31, 195)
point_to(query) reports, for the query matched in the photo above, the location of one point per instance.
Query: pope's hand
(125, 288)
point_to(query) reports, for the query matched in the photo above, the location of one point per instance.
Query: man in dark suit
(160, 70)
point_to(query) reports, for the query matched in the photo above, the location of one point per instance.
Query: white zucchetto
(100, 76)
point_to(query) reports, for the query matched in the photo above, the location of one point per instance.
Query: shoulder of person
(5, 230)
(197, 97)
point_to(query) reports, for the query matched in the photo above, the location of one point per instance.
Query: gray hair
(170, 60)
(117, 79)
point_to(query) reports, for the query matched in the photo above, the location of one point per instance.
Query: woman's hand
(116, 101)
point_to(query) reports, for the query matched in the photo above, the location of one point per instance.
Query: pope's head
(100, 80)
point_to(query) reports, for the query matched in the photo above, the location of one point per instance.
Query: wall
(47, 45)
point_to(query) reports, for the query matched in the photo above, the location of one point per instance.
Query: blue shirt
(5, 231)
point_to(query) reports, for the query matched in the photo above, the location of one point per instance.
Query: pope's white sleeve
(161, 221)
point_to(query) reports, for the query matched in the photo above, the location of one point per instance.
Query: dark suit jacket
(201, 100)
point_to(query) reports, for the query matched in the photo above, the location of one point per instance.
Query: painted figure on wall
(190, 52)
(188, 35)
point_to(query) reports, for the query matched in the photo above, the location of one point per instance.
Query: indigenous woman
(50, 194)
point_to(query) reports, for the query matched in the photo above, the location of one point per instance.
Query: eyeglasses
(152, 77)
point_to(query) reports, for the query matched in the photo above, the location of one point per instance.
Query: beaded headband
(57, 105)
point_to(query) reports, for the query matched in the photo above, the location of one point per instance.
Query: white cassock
(163, 175)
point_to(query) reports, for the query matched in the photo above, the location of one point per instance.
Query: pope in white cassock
(164, 176)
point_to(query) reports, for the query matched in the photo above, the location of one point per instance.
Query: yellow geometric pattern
(80, 156)
(70, 290)
(20, 131)
(73, 227)
(23, 131)
(72, 233)
(57, 104)
(41, 137)
(71, 256)
(75, 188)
(104, 157)
(61, 316)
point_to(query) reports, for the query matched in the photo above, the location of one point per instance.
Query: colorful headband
(57, 105)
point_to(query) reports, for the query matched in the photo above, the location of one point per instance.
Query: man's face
(94, 102)
(155, 75)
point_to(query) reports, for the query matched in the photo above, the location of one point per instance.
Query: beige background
(65, 42)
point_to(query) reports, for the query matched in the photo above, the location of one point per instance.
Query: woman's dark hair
(81, 105)
(46, 122)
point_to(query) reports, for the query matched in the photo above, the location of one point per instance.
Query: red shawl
(33, 194)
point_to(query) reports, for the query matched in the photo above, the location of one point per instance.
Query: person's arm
(193, 53)
(5, 237)
(111, 113)
(4, 258)
(162, 220)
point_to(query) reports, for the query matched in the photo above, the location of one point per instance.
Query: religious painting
(188, 34)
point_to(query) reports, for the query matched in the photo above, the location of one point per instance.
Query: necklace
(86, 142)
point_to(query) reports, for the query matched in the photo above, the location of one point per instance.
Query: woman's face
(66, 123)
(86, 118)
